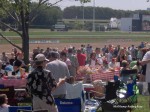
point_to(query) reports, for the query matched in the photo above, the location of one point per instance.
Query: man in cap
(59, 70)
(40, 84)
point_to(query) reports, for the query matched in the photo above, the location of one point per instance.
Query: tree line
(49, 16)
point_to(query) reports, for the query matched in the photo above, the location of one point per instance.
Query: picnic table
(103, 75)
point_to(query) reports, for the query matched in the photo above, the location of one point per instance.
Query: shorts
(40, 104)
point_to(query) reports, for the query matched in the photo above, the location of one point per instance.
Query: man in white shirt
(146, 60)
(59, 69)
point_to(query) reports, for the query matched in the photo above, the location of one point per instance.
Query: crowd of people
(52, 67)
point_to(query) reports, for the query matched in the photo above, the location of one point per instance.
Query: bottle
(29, 68)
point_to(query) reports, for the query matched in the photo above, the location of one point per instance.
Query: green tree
(20, 11)
(46, 17)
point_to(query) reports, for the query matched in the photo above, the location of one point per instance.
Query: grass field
(142, 105)
(81, 36)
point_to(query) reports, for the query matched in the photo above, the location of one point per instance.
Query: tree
(20, 11)
(47, 17)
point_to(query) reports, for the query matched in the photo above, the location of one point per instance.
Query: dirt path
(7, 47)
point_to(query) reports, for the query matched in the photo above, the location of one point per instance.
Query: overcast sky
(115, 4)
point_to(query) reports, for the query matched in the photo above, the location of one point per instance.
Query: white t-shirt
(99, 59)
(93, 63)
(109, 57)
(4, 109)
(145, 58)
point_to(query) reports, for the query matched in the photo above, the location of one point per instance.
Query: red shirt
(81, 59)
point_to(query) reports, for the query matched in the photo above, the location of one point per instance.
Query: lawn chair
(41, 110)
(17, 108)
(110, 94)
(128, 94)
(75, 91)
(128, 74)
(68, 105)
(119, 100)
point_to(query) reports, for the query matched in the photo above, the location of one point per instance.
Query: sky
(114, 4)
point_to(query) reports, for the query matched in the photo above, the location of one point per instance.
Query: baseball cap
(41, 57)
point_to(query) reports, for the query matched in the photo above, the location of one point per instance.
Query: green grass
(142, 105)
(143, 102)
(79, 36)
(41, 32)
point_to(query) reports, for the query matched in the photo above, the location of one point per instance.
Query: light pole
(93, 16)
(83, 13)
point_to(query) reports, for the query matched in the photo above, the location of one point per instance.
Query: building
(136, 23)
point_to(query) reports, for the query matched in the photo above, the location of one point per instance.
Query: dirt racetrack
(8, 48)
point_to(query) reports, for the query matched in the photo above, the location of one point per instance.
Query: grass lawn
(142, 105)
(80, 36)
(39, 32)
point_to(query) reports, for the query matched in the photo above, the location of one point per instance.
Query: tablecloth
(17, 83)
(105, 76)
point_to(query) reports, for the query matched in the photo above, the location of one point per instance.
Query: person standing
(59, 70)
(2, 71)
(40, 84)
(63, 57)
(146, 61)
(74, 62)
(4, 58)
(81, 58)
(99, 56)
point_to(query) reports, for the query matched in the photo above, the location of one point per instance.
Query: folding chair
(110, 94)
(17, 108)
(75, 91)
(112, 101)
(40, 111)
(126, 74)
(128, 94)
(68, 105)
(20, 110)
